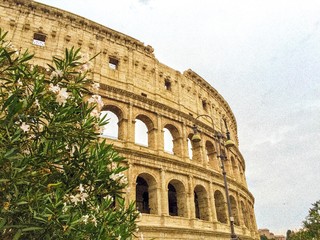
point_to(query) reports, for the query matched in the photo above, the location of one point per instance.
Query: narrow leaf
(17, 235)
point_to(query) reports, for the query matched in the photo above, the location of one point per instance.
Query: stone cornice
(171, 229)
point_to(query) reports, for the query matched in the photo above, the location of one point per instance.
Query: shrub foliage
(58, 179)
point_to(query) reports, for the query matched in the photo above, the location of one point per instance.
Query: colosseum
(178, 184)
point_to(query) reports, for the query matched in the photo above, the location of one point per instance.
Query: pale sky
(263, 57)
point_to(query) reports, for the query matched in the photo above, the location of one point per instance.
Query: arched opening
(142, 195)
(194, 150)
(115, 128)
(144, 131)
(173, 202)
(211, 155)
(111, 129)
(146, 194)
(190, 152)
(220, 207)
(172, 140)
(196, 205)
(201, 203)
(234, 210)
(176, 199)
(141, 133)
(168, 141)
(245, 214)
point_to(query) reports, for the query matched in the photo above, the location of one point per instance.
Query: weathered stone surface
(181, 198)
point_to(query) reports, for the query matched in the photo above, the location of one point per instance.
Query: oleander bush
(58, 179)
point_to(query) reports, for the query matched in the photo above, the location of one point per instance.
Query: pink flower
(62, 96)
(94, 220)
(25, 127)
(56, 73)
(96, 99)
(95, 113)
(54, 89)
(75, 199)
(85, 218)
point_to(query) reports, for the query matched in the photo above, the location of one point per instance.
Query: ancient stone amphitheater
(179, 191)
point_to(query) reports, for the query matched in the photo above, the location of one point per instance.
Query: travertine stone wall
(180, 197)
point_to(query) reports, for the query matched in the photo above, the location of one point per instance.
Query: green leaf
(8, 101)
(40, 219)
(17, 235)
(4, 180)
(2, 35)
(28, 229)
(9, 153)
(2, 222)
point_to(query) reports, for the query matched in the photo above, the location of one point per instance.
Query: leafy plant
(312, 222)
(311, 226)
(58, 179)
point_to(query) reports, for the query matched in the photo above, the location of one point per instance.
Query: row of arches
(169, 139)
(201, 207)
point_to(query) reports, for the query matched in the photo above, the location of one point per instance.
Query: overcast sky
(263, 57)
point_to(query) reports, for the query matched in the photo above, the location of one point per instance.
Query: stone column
(204, 158)
(197, 153)
(130, 125)
(212, 212)
(164, 194)
(123, 129)
(160, 134)
(131, 190)
(153, 138)
(227, 163)
(236, 170)
(184, 143)
(178, 146)
(154, 199)
(190, 200)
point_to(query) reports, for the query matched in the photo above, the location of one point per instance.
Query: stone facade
(266, 232)
(269, 235)
(181, 196)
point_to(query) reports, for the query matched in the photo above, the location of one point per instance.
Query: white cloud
(144, 1)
